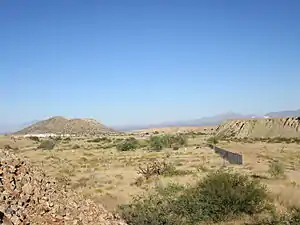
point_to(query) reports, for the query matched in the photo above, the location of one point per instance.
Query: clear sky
(136, 62)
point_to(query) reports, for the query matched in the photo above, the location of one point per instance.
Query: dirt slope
(273, 127)
(28, 196)
(60, 125)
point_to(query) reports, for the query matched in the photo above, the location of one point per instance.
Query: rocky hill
(61, 125)
(28, 196)
(287, 127)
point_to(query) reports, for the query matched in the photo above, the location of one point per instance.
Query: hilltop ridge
(61, 125)
(288, 127)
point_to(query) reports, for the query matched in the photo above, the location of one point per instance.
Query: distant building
(41, 135)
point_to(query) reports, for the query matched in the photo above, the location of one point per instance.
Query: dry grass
(110, 176)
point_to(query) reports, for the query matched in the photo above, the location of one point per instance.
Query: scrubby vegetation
(291, 217)
(221, 196)
(213, 140)
(34, 138)
(100, 139)
(159, 142)
(276, 169)
(128, 144)
(47, 144)
(159, 167)
(263, 139)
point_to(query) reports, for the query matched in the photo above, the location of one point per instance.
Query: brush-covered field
(163, 178)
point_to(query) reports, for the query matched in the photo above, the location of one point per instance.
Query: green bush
(153, 209)
(47, 145)
(158, 142)
(128, 144)
(276, 169)
(219, 197)
(213, 140)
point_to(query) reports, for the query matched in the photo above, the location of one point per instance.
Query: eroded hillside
(288, 127)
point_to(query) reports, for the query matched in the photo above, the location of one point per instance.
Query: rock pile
(28, 196)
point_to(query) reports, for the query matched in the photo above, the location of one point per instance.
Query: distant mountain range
(288, 113)
(204, 121)
(209, 121)
(10, 128)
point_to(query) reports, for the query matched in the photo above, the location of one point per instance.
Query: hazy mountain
(204, 121)
(286, 113)
(13, 127)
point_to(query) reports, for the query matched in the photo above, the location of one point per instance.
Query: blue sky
(136, 62)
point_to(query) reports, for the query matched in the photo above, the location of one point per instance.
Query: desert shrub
(34, 138)
(156, 167)
(179, 140)
(171, 170)
(221, 196)
(128, 144)
(96, 140)
(213, 140)
(158, 142)
(105, 139)
(100, 139)
(276, 169)
(47, 145)
(153, 209)
(160, 167)
(76, 146)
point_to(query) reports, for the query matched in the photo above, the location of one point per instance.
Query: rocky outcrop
(28, 196)
(288, 127)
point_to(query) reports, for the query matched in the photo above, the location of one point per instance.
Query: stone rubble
(28, 196)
